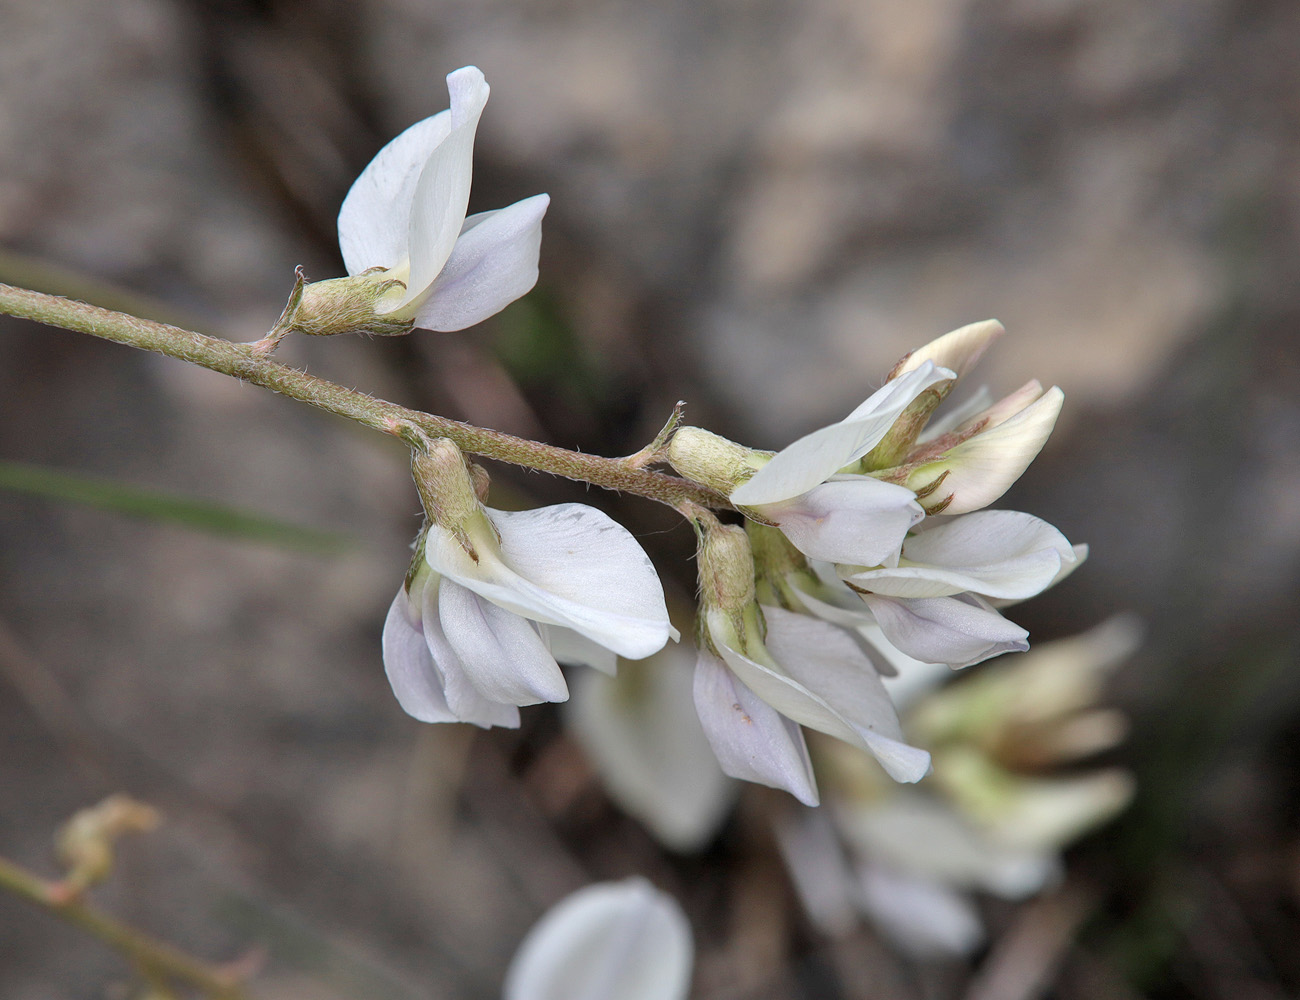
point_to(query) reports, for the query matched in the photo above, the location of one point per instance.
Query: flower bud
(957, 351)
(712, 460)
(981, 468)
(85, 843)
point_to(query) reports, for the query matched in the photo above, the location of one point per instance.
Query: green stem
(245, 362)
(153, 957)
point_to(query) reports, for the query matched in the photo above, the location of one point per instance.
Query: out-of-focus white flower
(465, 639)
(640, 729)
(609, 941)
(413, 256)
(994, 817)
(762, 673)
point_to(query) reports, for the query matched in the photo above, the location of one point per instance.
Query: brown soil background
(757, 207)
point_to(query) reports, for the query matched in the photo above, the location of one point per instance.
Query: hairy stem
(250, 364)
(154, 958)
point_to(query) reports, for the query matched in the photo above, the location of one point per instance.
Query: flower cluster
(865, 544)
(865, 549)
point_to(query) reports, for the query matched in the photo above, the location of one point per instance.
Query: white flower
(994, 817)
(765, 672)
(934, 603)
(406, 215)
(640, 730)
(1007, 552)
(609, 941)
(815, 457)
(467, 641)
(826, 512)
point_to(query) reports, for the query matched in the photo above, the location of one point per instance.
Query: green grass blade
(198, 515)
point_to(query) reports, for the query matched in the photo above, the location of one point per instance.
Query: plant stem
(153, 957)
(244, 362)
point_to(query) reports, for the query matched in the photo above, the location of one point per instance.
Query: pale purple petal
(751, 740)
(859, 520)
(952, 630)
(493, 263)
(374, 221)
(830, 666)
(1068, 566)
(411, 671)
(463, 698)
(501, 653)
(996, 553)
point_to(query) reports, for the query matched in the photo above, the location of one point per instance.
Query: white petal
(835, 603)
(996, 553)
(815, 457)
(375, 218)
(411, 671)
(463, 698)
(442, 192)
(642, 735)
(983, 467)
(501, 653)
(568, 565)
(925, 918)
(830, 686)
(946, 629)
(492, 264)
(610, 941)
(1068, 566)
(858, 520)
(593, 572)
(958, 350)
(567, 646)
(751, 739)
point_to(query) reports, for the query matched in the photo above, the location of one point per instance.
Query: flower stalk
(252, 363)
(155, 959)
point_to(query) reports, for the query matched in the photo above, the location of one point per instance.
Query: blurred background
(758, 208)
